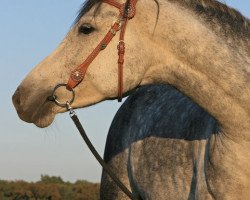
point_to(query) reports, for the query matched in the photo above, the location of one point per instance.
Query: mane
(229, 18)
(215, 11)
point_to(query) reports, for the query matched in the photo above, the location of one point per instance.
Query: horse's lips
(42, 117)
(22, 115)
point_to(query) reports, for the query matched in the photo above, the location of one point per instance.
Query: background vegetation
(49, 188)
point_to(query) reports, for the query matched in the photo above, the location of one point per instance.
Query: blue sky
(30, 30)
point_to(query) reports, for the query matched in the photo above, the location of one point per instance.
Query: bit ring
(67, 103)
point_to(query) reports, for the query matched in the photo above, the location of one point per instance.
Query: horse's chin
(42, 117)
(41, 121)
(44, 121)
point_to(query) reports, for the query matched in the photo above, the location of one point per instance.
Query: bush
(49, 188)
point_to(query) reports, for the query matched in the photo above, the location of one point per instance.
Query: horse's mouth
(51, 98)
(42, 116)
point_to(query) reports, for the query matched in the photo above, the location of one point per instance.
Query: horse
(201, 47)
(158, 146)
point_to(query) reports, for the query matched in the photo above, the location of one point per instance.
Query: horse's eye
(86, 29)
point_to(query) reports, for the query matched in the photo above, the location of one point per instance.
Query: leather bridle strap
(78, 73)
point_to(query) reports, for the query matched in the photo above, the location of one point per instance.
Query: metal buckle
(119, 42)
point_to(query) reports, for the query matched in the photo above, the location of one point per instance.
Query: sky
(31, 30)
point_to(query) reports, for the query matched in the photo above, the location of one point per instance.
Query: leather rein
(126, 12)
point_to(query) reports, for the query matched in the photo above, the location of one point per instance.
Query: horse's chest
(163, 167)
(181, 169)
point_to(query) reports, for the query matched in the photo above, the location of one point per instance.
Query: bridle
(127, 12)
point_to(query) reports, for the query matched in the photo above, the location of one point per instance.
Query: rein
(97, 155)
(81, 130)
(127, 12)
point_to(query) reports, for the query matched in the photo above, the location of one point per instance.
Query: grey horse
(201, 47)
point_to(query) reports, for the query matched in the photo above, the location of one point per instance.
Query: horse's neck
(200, 63)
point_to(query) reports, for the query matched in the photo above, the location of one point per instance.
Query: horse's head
(100, 82)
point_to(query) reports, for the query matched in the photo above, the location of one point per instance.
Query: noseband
(126, 12)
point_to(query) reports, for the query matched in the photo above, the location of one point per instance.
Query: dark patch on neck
(158, 111)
